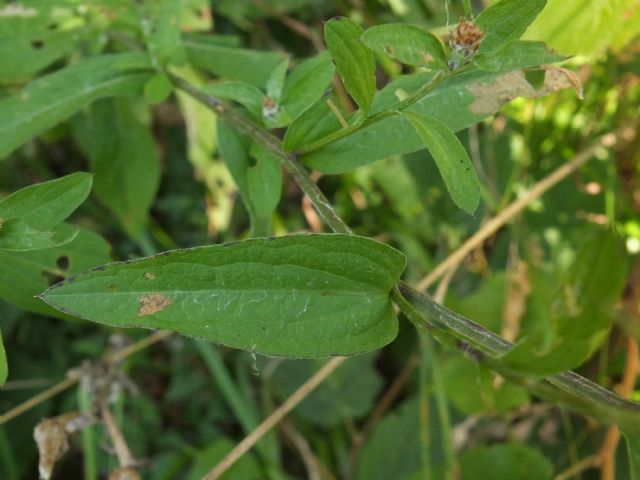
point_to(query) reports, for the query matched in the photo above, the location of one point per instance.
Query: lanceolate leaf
(123, 157)
(251, 66)
(55, 97)
(353, 59)
(451, 158)
(582, 310)
(46, 204)
(307, 83)
(407, 43)
(633, 453)
(23, 275)
(299, 296)
(507, 20)
(458, 102)
(17, 235)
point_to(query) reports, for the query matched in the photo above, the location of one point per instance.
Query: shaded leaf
(31, 39)
(124, 160)
(507, 20)
(55, 97)
(4, 366)
(158, 88)
(451, 158)
(398, 432)
(354, 60)
(349, 393)
(406, 43)
(245, 94)
(581, 312)
(250, 66)
(300, 296)
(633, 454)
(23, 275)
(313, 124)
(275, 83)
(505, 462)
(47, 204)
(264, 181)
(307, 83)
(245, 468)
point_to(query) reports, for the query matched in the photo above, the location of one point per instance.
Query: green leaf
(245, 94)
(586, 27)
(462, 375)
(23, 275)
(581, 311)
(314, 123)
(234, 149)
(406, 43)
(458, 102)
(299, 296)
(158, 88)
(264, 181)
(350, 392)
(633, 453)
(164, 40)
(245, 468)
(17, 235)
(507, 20)
(505, 462)
(124, 160)
(31, 39)
(276, 80)
(57, 96)
(4, 366)
(398, 432)
(353, 59)
(47, 204)
(232, 63)
(451, 158)
(517, 54)
(307, 83)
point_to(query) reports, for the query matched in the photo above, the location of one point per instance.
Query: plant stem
(567, 387)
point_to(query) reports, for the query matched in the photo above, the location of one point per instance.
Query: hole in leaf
(37, 44)
(51, 278)
(63, 262)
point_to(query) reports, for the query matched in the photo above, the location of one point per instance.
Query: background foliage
(85, 87)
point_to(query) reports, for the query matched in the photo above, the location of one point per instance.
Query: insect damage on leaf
(489, 97)
(153, 303)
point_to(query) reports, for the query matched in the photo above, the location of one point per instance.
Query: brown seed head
(467, 37)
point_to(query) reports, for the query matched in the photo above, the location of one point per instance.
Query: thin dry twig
(521, 203)
(277, 415)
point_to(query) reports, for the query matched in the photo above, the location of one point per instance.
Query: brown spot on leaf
(489, 97)
(153, 303)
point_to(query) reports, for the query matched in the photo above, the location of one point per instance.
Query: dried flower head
(465, 41)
